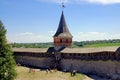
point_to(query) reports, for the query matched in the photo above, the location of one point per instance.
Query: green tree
(7, 62)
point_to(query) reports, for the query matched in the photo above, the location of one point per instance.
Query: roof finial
(63, 6)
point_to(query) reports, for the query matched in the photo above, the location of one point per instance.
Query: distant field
(23, 74)
(102, 44)
(96, 43)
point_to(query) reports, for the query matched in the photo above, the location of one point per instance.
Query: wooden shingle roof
(91, 50)
(63, 30)
(70, 50)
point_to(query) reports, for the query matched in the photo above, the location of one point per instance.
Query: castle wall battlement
(105, 55)
(104, 63)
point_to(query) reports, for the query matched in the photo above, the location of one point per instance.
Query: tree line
(84, 43)
(75, 44)
(32, 45)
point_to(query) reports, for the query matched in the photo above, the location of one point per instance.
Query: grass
(102, 45)
(23, 74)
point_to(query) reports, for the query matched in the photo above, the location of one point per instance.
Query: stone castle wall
(105, 55)
(42, 62)
(103, 68)
(102, 63)
(36, 60)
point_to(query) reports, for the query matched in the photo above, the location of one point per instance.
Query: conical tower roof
(63, 30)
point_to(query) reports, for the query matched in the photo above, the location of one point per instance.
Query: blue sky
(37, 20)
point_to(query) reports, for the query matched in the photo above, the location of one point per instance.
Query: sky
(29, 21)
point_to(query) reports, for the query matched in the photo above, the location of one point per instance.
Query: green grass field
(23, 74)
(102, 45)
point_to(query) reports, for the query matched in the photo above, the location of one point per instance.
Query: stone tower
(62, 36)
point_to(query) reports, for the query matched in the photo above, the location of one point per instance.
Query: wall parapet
(33, 54)
(105, 55)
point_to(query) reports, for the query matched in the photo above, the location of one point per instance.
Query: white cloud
(26, 33)
(83, 36)
(28, 37)
(51, 33)
(84, 1)
(103, 1)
